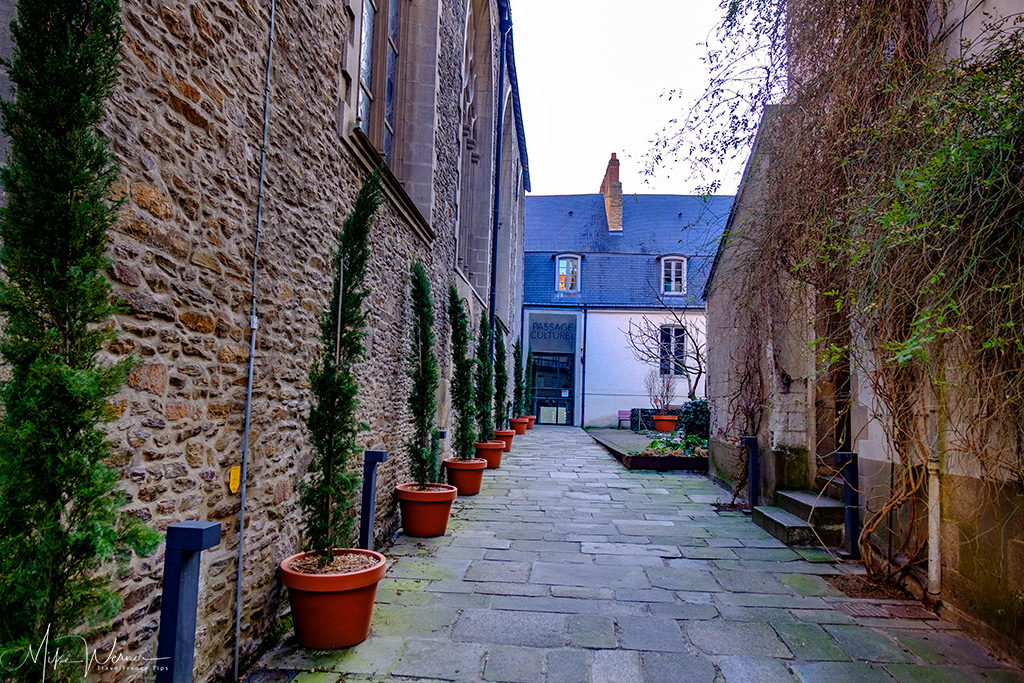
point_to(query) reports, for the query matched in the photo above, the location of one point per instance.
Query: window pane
(665, 350)
(366, 45)
(364, 110)
(573, 274)
(393, 20)
(679, 351)
(387, 145)
(568, 274)
(389, 88)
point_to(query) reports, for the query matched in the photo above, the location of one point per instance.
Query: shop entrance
(553, 388)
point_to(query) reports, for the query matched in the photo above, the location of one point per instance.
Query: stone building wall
(186, 127)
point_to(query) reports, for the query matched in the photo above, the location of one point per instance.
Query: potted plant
(661, 389)
(327, 580)
(425, 503)
(528, 391)
(464, 471)
(501, 392)
(484, 389)
(520, 423)
(65, 533)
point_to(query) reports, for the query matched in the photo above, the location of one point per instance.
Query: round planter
(491, 452)
(318, 599)
(519, 424)
(664, 423)
(425, 512)
(505, 435)
(466, 475)
(531, 418)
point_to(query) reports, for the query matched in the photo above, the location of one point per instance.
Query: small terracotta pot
(506, 436)
(531, 418)
(519, 424)
(466, 475)
(318, 599)
(491, 452)
(425, 512)
(664, 423)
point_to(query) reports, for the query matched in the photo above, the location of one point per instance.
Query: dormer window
(673, 275)
(567, 273)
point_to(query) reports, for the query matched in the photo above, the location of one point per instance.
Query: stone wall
(186, 127)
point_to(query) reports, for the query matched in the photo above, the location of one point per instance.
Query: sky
(591, 78)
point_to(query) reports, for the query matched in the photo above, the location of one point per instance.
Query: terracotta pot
(425, 512)
(505, 435)
(491, 452)
(531, 418)
(466, 475)
(318, 599)
(664, 423)
(519, 424)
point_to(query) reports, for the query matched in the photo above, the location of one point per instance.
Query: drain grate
(863, 609)
(909, 612)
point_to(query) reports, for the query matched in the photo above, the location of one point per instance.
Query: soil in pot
(519, 424)
(491, 452)
(466, 475)
(318, 599)
(505, 435)
(425, 510)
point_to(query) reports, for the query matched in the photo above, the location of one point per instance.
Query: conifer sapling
(423, 448)
(500, 381)
(462, 378)
(484, 386)
(517, 386)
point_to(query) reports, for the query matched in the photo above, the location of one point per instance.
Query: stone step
(811, 507)
(784, 526)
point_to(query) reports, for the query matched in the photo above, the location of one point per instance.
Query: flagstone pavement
(569, 568)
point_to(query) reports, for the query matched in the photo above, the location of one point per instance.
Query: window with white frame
(567, 273)
(673, 276)
(672, 347)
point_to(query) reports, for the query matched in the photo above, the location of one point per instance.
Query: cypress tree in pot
(63, 529)
(501, 392)
(425, 504)
(465, 471)
(528, 397)
(484, 390)
(329, 579)
(519, 422)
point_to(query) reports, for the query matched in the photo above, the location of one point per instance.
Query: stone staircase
(801, 518)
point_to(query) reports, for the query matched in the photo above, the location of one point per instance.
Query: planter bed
(663, 463)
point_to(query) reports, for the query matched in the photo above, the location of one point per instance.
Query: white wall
(614, 378)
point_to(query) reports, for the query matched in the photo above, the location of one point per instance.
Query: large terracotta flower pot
(664, 423)
(519, 424)
(466, 475)
(505, 435)
(425, 511)
(491, 452)
(531, 418)
(317, 600)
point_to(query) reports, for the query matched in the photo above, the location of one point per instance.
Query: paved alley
(569, 568)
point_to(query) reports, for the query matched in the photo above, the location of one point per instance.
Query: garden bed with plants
(669, 453)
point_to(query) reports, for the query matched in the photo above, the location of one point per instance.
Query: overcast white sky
(591, 75)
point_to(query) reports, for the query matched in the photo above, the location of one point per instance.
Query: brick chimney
(611, 188)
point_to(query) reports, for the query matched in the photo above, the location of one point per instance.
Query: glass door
(553, 388)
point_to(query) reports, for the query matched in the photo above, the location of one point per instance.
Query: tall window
(567, 274)
(378, 54)
(673, 350)
(673, 276)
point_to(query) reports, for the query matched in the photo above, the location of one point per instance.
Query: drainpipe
(583, 374)
(252, 337)
(506, 29)
(934, 468)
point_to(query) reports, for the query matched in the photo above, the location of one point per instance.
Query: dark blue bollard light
(370, 461)
(753, 472)
(176, 643)
(847, 464)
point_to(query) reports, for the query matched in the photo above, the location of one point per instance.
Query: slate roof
(619, 270)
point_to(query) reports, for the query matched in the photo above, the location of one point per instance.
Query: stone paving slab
(568, 568)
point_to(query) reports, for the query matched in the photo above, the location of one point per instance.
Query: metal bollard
(753, 472)
(176, 644)
(370, 461)
(847, 464)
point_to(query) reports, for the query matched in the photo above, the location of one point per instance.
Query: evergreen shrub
(423, 449)
(462, 378)
(484, 381)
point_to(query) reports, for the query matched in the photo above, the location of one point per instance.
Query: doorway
(554, 396)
